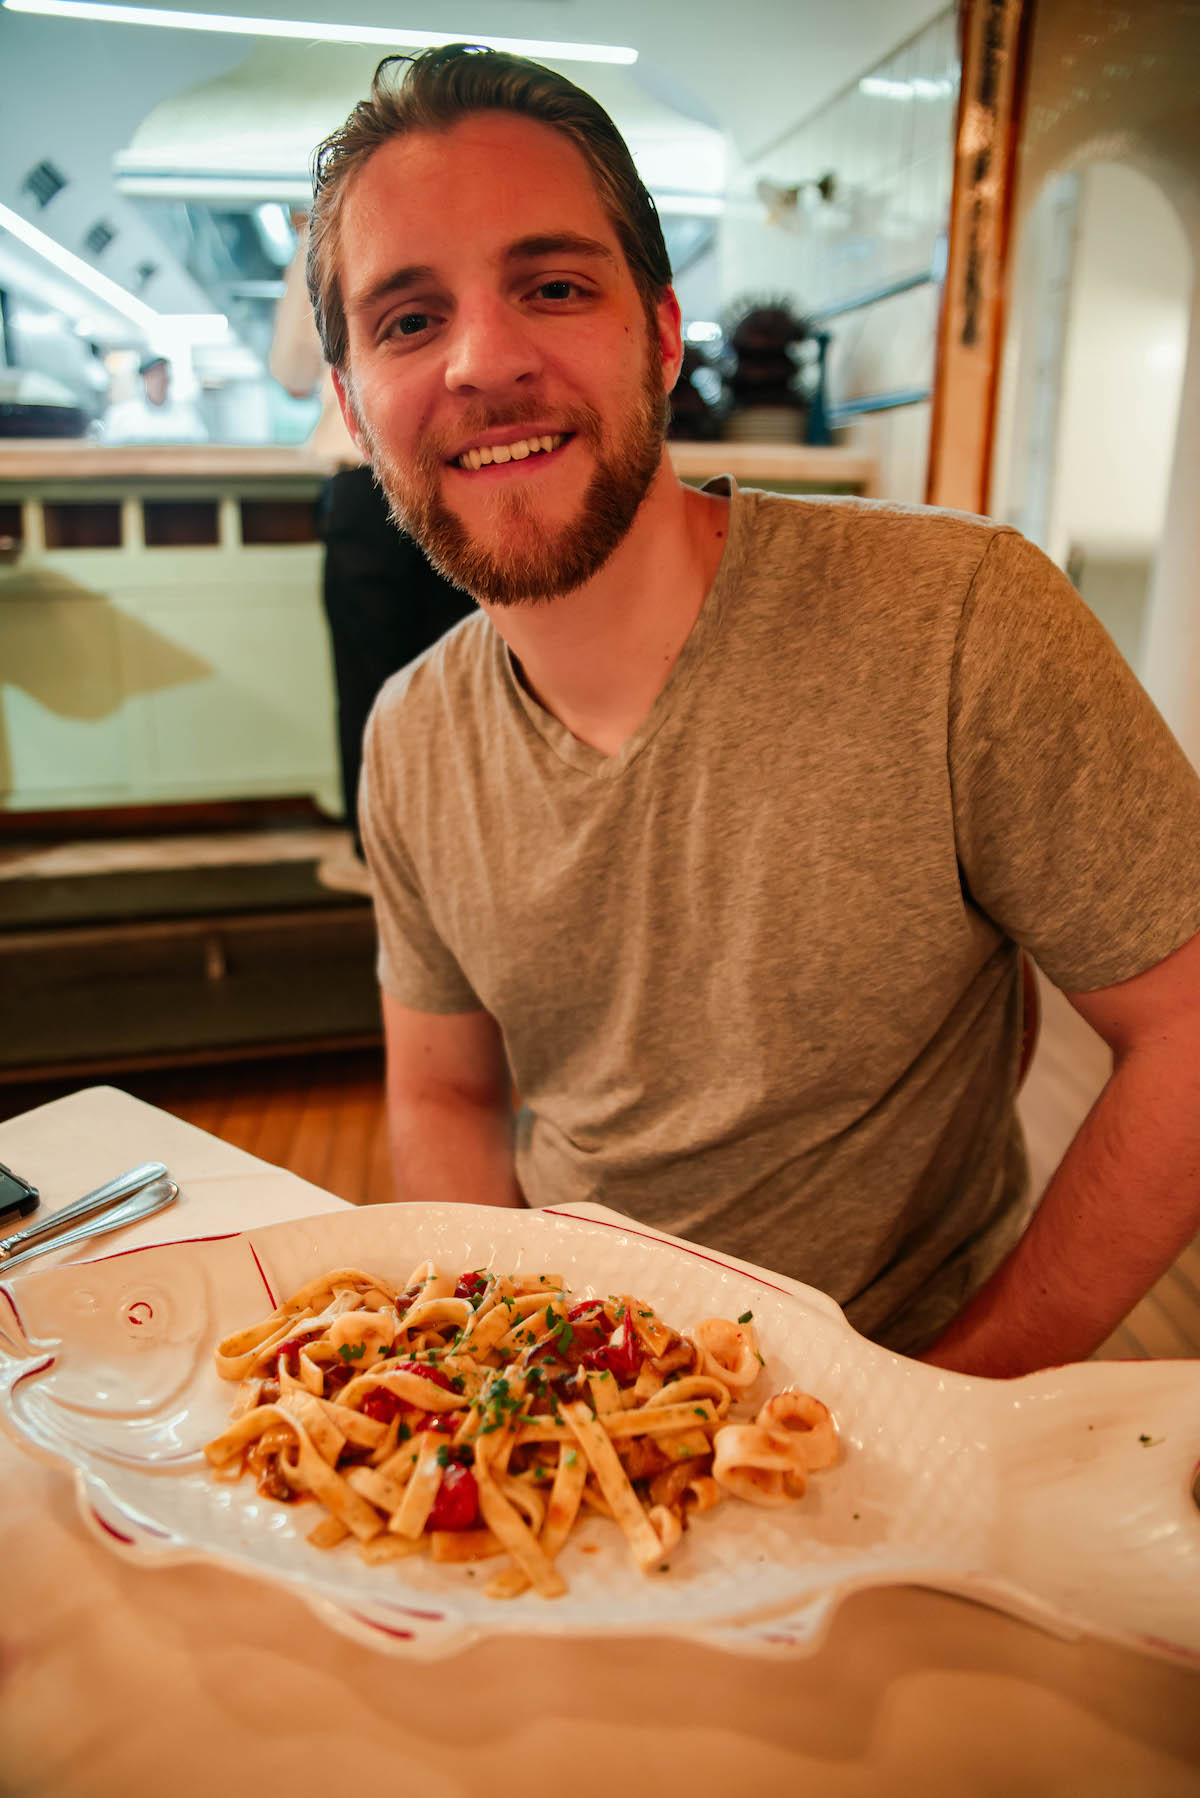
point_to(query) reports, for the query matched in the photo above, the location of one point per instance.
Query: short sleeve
(414, 965)
(1077, 814)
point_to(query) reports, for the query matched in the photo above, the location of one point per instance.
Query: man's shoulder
(451, 674)
(880, 524)
(911, 568)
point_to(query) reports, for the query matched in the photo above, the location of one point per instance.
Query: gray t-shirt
(756, 972)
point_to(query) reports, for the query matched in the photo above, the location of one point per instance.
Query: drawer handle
(216, 968)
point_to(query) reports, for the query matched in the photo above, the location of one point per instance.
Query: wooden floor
(322, 1117)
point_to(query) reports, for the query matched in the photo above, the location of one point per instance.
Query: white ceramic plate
(1064, 1498)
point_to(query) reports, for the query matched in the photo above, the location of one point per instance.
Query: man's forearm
(450, 1151)
(1122, 1205)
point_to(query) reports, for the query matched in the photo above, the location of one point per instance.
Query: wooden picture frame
(994, 37)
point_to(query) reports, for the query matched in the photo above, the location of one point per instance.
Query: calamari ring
(807, 1421)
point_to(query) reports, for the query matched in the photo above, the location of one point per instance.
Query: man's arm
(295, 357)
(1125, 1199)
(449, 1107)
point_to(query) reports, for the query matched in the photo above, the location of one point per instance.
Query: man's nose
(491, 348)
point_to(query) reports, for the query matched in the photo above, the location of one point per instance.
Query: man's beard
(536, 563)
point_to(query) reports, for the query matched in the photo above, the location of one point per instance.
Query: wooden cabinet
(147, 993)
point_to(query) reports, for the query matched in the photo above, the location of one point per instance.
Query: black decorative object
(695, 399)
(762, 372)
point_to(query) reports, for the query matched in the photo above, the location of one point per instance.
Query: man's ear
(347, 405)
(670, 337)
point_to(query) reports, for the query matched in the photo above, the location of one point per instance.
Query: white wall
(1093, 370)
(1125, 338)
(1104, 82)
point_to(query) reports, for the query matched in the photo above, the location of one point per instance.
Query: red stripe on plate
(105, 1525)
(401, 1635)
(38, 1367)
(262, 1276)
(144, 1248)
(12, 1305)
(602, 1223)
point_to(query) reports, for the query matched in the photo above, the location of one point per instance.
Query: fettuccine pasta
(484, 1415)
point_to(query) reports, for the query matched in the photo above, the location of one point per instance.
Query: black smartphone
(17, 1197)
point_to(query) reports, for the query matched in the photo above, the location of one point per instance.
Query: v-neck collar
(582, 756)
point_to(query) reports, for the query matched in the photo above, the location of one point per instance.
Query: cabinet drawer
(186, 989)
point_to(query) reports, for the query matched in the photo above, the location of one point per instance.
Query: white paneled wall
(888, 141)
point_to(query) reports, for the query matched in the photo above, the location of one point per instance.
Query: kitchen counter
(27, 462)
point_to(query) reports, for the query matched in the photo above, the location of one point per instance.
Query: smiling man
(721, 822)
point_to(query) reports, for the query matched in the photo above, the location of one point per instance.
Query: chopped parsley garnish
(497, 1404)
(560, 1329)
(1151, 1441)
(403, 1433)
(746, 1317)
(443, 1454)
(352, 1351)
(570, 1458)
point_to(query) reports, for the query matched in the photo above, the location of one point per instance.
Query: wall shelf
(34, 464)
(787, 467)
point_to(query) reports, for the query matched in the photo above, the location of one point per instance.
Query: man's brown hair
(433, 93)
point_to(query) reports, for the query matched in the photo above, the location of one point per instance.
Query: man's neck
(598, 658)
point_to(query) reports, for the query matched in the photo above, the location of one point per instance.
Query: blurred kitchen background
(923, 251)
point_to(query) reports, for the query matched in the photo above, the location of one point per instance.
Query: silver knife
(131, 1211)
(120, 1187)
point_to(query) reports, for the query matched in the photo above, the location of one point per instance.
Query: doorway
(1092, 385)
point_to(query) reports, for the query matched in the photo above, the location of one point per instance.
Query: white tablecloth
(115, 1679)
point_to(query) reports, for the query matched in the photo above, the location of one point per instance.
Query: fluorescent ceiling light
(918, 88)
(240, 190)
(317, 33)
(78, 270)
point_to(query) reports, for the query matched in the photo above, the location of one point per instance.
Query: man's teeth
(508, 452)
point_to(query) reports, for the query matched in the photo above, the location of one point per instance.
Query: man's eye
(556, 290)
(411, 323)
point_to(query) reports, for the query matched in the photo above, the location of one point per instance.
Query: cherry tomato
(290, 1350)
(382, 1405)
(426, 1372)
(622, 1356)
(456, 1506)
(589, 1331)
